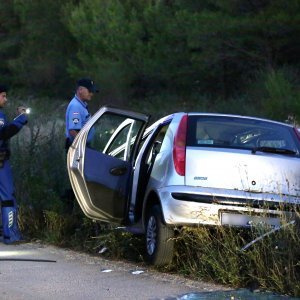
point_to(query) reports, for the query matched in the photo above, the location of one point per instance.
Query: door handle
(118, 171)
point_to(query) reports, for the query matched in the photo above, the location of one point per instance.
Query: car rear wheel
(159, 239)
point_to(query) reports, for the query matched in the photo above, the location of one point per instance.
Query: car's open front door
(100, 163)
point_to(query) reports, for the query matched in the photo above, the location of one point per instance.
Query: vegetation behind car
(203, 253)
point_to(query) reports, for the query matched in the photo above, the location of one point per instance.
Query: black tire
(159, 239)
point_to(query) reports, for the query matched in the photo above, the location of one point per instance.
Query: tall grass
(39, 166)
(217, 254)
(211, 253)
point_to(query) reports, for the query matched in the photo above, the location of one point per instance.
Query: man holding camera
(11, 232)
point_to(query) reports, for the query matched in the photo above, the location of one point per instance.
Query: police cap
(89, 84)
(3, 88)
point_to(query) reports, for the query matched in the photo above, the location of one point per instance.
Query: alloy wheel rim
(151, 235)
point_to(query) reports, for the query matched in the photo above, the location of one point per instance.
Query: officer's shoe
(16, 242)
(13, 240)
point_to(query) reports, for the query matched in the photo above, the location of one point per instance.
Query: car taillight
(179, 146)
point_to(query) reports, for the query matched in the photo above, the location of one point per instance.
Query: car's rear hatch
(242, 171)
(242, 154)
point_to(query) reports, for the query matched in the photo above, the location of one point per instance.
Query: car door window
(114, 135)
(155, 146)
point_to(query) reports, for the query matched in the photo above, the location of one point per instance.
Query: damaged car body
(186, 169)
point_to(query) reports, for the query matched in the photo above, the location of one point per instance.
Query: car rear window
(235, 132)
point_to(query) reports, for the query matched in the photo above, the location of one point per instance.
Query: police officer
(77, 113)
(11, 232)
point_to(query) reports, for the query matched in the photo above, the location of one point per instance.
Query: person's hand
(21, 110)
(21, 119)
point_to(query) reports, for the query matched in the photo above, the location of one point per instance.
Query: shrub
(211, 253)
(216, 254)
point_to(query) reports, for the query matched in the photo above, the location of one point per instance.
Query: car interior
(204, 132)
(147, 162)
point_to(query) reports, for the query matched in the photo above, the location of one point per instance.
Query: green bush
(38, 161)
(211, 253)
(217, 254)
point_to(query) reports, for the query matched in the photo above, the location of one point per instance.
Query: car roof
(238, 116)
(169, 117)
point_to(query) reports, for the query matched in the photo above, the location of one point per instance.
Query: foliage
(154, 56)
(216, 254)
(183, 49)
(36, 44)
(118, 244)
(38, 159)
(37, 154)
(282, 98)
(140, 50)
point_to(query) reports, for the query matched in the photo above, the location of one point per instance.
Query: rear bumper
(184, 205)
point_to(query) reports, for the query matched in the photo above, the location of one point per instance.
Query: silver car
(185, 169)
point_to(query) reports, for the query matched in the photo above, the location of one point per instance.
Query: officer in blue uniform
(11, 232)
(77, 113)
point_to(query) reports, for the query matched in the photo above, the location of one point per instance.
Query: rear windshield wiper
(273, 150)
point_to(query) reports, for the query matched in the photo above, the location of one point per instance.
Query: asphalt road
(36, 271)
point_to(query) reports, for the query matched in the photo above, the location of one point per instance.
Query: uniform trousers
(11, 231)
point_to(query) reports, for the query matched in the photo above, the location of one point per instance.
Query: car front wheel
(159, 239)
